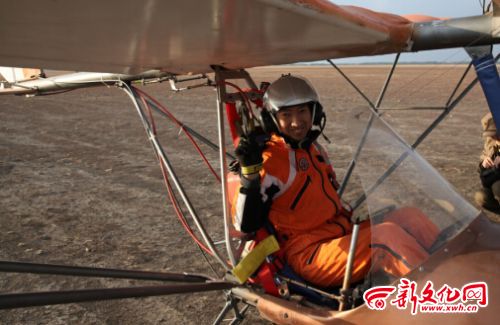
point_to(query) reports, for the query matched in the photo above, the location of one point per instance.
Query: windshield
(389, 176)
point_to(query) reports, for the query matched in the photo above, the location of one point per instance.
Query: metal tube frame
(459, 83)
(190, 130)
(226, 309)
(309, 287)
(231, 304)
(349, 264)
(419, 140)
(354, 237)
(196, 283)
(375, 107)
(53, 269)
(450, 105)
(45, 298)
(221, 75)
(223, 167)
(19, 300)
(163, 157)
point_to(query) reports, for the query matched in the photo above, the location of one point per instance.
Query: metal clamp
(174, 81)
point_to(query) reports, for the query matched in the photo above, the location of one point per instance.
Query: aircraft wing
(188, 36)
(181, 37)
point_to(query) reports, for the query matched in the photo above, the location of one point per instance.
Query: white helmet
(289, 91)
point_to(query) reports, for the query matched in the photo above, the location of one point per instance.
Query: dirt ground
(80, 185)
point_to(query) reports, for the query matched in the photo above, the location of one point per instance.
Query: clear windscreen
(391, 179)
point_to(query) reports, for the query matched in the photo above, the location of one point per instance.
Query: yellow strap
(247, 170)
(250, 263)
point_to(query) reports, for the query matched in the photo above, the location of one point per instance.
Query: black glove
(249, 153)
(489, 176)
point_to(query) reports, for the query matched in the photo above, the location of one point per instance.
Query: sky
(439, 8)
(436, 8)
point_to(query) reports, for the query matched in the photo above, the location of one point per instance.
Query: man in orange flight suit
(290, 182)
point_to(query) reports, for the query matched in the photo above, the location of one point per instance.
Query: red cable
(172, 117)
(150, 114)
(179, 212)
(171, 195)
(244, 95)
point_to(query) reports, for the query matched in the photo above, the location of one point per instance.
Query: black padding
(318, 114)
(267, 122)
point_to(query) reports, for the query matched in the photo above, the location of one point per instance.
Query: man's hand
(487, 163)
(249, 153)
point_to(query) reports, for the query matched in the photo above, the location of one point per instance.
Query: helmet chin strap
(305, 143)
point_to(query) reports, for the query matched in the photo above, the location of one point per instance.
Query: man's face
(295, 121)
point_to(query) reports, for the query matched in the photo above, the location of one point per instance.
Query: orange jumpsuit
(297, 191)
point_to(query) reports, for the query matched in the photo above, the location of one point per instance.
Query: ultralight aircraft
(126, 43)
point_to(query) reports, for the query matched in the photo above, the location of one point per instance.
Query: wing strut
(190, 130)
(375, 108)
(191, 283)
(19, 300)
(187, 282)
(223, 97)
(447, 110)
(354, 238)
(223, 164)
(35, 268)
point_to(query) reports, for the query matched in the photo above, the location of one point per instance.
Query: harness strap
(487, 74)
(251, 262)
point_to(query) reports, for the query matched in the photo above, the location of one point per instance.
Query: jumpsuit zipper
(301, 192)
(323, 183)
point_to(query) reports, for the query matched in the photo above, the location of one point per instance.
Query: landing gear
(232, 305)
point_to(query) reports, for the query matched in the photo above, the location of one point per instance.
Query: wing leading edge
(130, 37)
(189, 36)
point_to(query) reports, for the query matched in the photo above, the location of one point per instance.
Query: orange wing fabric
(189, 36)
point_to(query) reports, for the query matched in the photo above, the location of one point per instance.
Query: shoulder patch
(303, 164)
